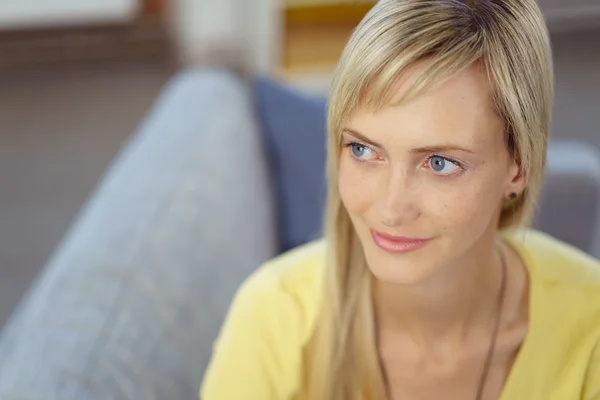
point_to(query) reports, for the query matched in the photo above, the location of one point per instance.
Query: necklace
(497, 319)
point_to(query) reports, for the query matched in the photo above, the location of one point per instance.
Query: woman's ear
(516, 180)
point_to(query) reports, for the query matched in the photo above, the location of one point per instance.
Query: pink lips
(397, 244)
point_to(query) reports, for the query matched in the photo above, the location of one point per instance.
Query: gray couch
(128, 306)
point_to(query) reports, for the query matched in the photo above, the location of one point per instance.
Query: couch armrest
(129, 305)
(570, 199)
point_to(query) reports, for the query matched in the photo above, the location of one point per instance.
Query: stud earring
(513, 196)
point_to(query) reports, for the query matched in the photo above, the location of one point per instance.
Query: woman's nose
(396, 205)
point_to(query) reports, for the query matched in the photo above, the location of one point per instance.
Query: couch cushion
(294, 132)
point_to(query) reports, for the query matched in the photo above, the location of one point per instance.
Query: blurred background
(78, 76)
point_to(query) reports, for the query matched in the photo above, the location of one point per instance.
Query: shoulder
(291, 273)
(564, 304)
(297, 267)
(565, 287)
(261, 341)
(288, 285)
(551, 261)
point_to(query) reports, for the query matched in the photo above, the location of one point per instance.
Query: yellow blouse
(258, 353)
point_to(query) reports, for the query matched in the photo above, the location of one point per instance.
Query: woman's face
(423, 182)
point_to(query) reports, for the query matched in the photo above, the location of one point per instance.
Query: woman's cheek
(357, 185)
(461, 206)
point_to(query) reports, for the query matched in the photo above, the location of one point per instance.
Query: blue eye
(362, 152)
(358, 150)
(441, 165)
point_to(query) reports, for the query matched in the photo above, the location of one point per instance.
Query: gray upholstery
(130, 304)
(569, 205)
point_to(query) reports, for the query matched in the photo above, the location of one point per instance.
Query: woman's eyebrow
(361, 137)
(419, 150)
(440, 148)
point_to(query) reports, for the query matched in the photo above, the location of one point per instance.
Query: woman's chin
(400, 272)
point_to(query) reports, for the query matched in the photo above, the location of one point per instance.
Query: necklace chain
(494, 338)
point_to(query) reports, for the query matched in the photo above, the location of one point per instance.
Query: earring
(512, 196)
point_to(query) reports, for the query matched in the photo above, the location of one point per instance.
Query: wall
(248, 28)
(24, 13)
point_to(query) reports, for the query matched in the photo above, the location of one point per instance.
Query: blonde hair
(510, 40)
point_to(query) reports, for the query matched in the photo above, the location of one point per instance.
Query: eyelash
(452, 160)
(348, 145)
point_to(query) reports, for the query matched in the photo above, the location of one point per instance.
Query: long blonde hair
(510, 40)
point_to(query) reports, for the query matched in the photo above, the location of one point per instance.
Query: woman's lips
(397, 244)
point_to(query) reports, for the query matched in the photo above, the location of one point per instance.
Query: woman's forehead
(461, 109)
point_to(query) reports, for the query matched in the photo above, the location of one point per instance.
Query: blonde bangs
(371, 65)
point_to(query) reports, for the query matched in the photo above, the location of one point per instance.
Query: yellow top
(258, 353)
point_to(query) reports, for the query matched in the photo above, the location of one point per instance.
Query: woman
(425, 287)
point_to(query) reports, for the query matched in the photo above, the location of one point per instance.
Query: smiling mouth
(397, 244)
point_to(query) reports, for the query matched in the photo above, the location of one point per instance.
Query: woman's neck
(448, 307)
